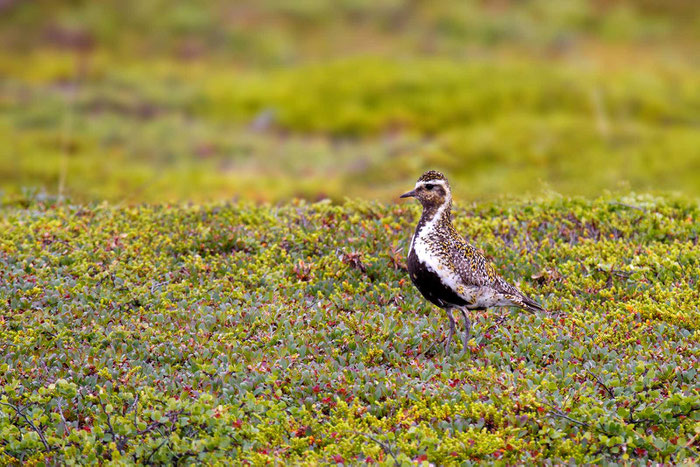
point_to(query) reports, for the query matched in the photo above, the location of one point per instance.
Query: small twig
(150, 427)
(607, 389)
(43, 363)
(313, 304)
(133, 404)
(133, 407)
(30, 423)
(172, 416)
(165, 440)
(558, 413)
(253, 328)
(125, 439)
(638, 401)
(158, 285)
(617, 203)
(115, 437)
(439, 341)
(637, 421)
(614, 272)
(568, 394)
(690, 443)
(63, 418)
(384, 446)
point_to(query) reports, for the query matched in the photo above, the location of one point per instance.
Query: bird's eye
(429, 187)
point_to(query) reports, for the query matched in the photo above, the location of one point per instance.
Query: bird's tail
(528, 304)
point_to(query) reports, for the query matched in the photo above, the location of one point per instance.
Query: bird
(447, 270)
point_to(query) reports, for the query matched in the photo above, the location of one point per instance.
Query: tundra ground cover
(269, 100)
(291, 333)
(161, 132)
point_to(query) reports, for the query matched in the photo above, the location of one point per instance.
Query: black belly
(429, 284)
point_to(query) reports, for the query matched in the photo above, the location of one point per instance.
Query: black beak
(410, 194)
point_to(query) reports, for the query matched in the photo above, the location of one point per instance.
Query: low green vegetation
(135, 328)
(282, 32)
(292, 334)
(358, 127)
(133, 102)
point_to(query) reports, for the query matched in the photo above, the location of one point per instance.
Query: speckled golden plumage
(446, 269)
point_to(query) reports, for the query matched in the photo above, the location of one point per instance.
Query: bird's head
(432, 190)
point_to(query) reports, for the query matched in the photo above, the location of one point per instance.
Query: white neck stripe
(430, 225)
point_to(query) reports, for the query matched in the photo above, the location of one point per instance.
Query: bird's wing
(516, 296)
(472, 267)
(475, 270)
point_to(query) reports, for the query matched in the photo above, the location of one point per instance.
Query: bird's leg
(452, 330)
(467, 330)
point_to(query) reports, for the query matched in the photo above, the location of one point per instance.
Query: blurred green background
(168, 101)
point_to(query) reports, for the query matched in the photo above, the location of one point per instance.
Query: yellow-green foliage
(291, 334)
(203, 100)
(282, 31)
(360, 127)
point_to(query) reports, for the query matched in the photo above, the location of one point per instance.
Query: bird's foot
(447, 345)
(452, 332)
(467, 332)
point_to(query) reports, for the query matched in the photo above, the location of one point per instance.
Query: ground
(292, 333)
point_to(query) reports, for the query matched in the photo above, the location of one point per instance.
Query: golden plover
(446, 269)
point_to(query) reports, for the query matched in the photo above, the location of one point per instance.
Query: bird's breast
(430, 284)
(432, 274)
